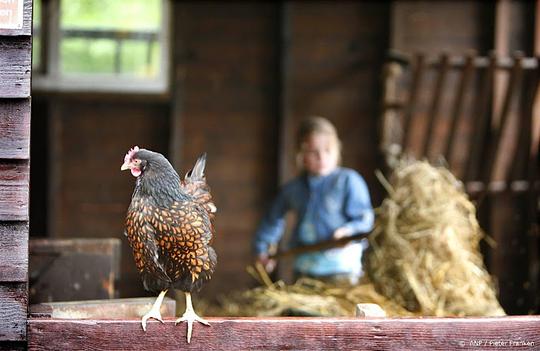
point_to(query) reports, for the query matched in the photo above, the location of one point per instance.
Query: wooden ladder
(476, 115)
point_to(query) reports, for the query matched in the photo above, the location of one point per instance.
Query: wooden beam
(464, 83)
(283, 98)
(413, 98)
(15, 129)
(13, 251)
(178, 86)
(390, 127)
(503, 16)
(537, 29)
(517, 333)
(435, 105)
(13, 309)
(516, 76)
(526, 127)
(14, 190)
(482, 121)
(458, 62)
(15, 63)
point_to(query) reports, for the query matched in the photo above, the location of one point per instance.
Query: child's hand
(342, 232)
(268, 263)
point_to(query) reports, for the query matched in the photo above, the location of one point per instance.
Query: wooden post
(466, 76)
(15, 72)
(435, 104)
(413, 98)
(391, 130)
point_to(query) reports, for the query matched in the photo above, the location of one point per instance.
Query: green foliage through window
(120, 37)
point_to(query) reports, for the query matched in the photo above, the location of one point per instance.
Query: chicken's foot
(154, 311)
(190, 316)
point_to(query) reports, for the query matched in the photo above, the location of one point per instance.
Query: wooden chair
(477, 116)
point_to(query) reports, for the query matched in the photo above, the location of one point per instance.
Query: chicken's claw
(190, 316)
(154, 311)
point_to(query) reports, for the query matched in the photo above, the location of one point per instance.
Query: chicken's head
(132, 162)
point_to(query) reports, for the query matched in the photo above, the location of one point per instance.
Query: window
(100, 45)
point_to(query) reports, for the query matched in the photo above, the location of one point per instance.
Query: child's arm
(357, 207)
(270, 231)
(272, 226)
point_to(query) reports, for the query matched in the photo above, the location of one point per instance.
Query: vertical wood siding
(15, 72)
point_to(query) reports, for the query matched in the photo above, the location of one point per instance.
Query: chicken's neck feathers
(160, 188)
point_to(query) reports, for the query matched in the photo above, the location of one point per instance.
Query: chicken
(169, 227)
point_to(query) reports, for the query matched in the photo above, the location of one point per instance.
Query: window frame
(48, 77)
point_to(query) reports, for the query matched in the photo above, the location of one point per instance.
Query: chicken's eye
(137, 162)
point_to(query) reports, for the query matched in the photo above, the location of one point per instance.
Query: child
(330, 202)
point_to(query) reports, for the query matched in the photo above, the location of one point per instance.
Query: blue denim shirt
(322, 204)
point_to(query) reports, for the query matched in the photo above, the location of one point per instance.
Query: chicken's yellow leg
(154, 311)
(190, 316)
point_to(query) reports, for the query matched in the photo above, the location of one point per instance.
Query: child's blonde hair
(315, 125)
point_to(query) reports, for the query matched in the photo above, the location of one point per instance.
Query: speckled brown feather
(181, 234)
(171, 244)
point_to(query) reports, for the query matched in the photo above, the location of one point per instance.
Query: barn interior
(234, 79)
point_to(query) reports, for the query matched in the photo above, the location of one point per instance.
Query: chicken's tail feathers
(197, 173)
(194, 184)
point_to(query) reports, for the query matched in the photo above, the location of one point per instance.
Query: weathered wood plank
(14, 190)
(13, 309)
(134, 307)
(289, 333)
(15, 67)
(13, 252)
(27, 22)
(15, 129)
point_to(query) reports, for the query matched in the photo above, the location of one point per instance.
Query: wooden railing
(294, 333)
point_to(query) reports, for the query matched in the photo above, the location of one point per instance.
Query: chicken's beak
(125, 166)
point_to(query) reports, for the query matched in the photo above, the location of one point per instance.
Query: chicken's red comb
(130, 153)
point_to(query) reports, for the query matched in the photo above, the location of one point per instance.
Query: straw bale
(424, 251)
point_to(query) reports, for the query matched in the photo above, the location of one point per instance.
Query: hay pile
(307, 297)
(424, 251)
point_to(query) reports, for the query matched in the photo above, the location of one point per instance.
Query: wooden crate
(73, 269)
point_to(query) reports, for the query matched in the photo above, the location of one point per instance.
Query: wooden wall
(242, 105)
(332, 67)
(15, 68)
(225, 69)
(87, 140)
